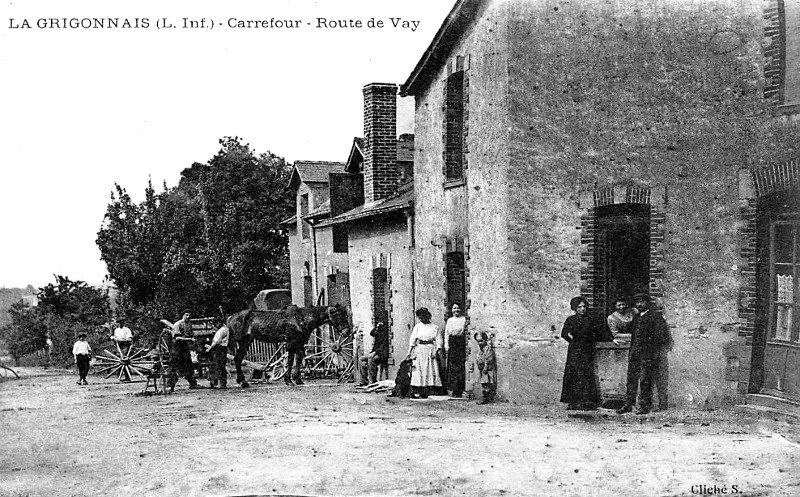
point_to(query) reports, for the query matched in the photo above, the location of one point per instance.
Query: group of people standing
(438, 358)
(648, 366)
(180, 359)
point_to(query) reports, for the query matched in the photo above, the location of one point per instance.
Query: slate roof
(405, 150)
(307, 171)
(403, 199)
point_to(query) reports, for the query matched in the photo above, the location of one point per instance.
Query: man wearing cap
(83, 354)
(647, 363)
(379, 356)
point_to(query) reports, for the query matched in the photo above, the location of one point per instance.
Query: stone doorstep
(771, 404)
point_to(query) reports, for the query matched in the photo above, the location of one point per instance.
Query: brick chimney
(380, 141)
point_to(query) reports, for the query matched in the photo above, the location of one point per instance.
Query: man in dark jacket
(180, 359)
(379, 355)
(647, 363)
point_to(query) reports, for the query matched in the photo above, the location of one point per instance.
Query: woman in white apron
(425, 343)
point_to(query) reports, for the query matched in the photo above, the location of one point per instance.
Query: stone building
(379, 226)
(313, 255)
(601, 148)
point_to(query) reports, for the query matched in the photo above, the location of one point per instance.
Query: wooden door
(782, 349)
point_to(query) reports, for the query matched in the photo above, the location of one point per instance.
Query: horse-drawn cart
(328, 353)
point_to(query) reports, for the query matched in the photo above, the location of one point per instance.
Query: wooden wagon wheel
(334, 355)
(276, 364)
(162, 346)
(123, 364)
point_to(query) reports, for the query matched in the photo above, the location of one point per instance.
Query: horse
(293, 325)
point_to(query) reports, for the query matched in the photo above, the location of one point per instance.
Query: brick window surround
(782, 54)
(455, 129)
(591, 201)
(455, 269)
(755, 185)
(380, 295)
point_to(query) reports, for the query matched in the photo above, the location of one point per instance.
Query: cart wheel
(123, 365)
(333, 357)
(163, 345)
(276, 366)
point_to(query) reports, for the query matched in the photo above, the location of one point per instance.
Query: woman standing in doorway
(580, 388)
(455, 347)
(424, 345)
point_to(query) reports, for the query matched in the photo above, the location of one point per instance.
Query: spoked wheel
(123, 364)
(276, 365)
(163, 345)
(332, 357)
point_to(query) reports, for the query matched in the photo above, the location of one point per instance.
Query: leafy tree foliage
(26, 333)
(65, 308)
(212, 241)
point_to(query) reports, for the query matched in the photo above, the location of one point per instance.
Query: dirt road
(321, 439)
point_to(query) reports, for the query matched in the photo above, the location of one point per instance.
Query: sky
(83, 108)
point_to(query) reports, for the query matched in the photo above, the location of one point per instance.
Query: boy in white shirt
(83, 354)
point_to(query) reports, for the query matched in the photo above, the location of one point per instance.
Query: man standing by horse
(180, 359)
(219, 357)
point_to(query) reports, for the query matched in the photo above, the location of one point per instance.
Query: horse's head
(337, 317)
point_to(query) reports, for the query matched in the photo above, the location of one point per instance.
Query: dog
(402, 382)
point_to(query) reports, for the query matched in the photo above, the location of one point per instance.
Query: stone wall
(383, 244)
(468, 214)
(654, 94)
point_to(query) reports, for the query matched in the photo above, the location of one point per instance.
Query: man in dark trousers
(180, 359)
(379, 355)
(647, 364)
(219, 357)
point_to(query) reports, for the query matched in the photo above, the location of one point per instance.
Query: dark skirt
(580, 386)
(456, 357)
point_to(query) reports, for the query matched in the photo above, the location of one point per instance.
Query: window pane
(783, 324)
(783, 243)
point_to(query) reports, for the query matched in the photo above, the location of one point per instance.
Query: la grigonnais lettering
(81, 23)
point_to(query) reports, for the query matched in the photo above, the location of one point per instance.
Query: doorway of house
(777, 326)
(622, 248)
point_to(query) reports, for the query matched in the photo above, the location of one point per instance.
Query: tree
(214, 240)
(69, 307)
(26, 333)
(65, 308)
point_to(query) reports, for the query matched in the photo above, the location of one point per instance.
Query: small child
(83, 355)
(487, 367)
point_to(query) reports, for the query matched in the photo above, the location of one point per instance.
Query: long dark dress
(456, 357)
(580, 387)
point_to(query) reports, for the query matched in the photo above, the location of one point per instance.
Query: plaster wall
(382, 244)
(653, 93)
(474, 210)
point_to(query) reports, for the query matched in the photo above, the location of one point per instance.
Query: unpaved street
(323, 439)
